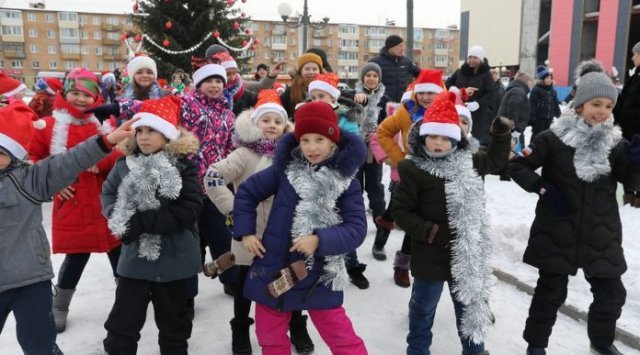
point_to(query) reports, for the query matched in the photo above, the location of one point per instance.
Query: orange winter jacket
(399, 122)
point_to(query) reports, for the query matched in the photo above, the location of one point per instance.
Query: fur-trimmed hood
(347, 159)
(245, 130)
(350, 110)
(186, 144)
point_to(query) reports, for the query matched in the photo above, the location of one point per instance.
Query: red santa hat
(54, 85)
(160, 114)
(406, 96)
(429, 80)
(442, 118)
(463, 107)
(16, 128)
(268, 101)
(326, 82)
(226, 60)
(141, 61)
(10, 86)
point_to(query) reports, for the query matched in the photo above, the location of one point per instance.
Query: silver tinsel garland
(148, 175)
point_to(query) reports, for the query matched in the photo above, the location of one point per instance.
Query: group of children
(184, 164)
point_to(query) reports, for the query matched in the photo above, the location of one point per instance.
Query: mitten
(285, 279)
(501, 126)
(633, 150)
(223, 263)
(555, 198)
(103, 112)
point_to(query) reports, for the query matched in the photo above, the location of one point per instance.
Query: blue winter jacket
(335, 240)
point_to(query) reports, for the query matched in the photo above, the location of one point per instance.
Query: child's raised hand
(277, 69)
(306, 245)
(254, 245)
(123, 132)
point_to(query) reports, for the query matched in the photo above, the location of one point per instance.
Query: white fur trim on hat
(463, 111)
(427, 87)
(324, 86)
(268, 107)
(406, 96)
(476, 51)
(108, 76)
(207, 71)
(158, 123)
(141, 62)
(440, 129)
(12, 146)
(19, 88)
(229, 64)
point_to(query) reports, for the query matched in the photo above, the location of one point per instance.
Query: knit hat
(636, 48)
(207, 71)
(10, 86)
(429, 80)
(262, 66)
(476, 51)
(225, 60)
(309, 57)
(160, 114)
(463, 107)
(392, 41)
(442, 118)
(323, 55)
(587, 66)
(213, 49)
(326, 82)
(140, 62)
(16, 128)
(268, 101)
(317, 117)
(542, 72)
(593, 85)
(82, 79)
(371, 66)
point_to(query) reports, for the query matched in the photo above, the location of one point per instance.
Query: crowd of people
(270, 179)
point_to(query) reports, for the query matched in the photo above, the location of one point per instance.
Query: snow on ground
(379, 314)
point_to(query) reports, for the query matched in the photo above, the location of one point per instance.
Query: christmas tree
(189, 28)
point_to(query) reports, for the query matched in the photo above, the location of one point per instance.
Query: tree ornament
(135, 7)
(256, 42)
(137, 38)
(216, 34)
(248, 31)
(168, 25)
(253, 48)
(244, 43)
(244, 1)
(236, 25)
(124, 36)
(243, 14)
(166, 43)
(230, 2)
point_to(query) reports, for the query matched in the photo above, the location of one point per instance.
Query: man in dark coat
(397, 70)
(475, 77)
(627, 115)
(515, 103)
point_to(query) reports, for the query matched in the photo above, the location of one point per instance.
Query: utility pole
(410, 29)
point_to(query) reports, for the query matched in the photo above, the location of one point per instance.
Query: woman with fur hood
(152, 199)
(316, 217)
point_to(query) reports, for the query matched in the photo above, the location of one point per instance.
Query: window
(11, 15)
(255, 26)
(70, 65)
(48, 17)
(84, 50)
(1, 63)
(330, 43)
(114, 65)
(35, 64)
(278, 55)
(442, 45)
(294, 55)
(33, 33)
(381, 31)
(376, 43)
(348, 29)
(70, 48)
(128, 23)
(31, 17)
(33, 48)
(98, 50)
(112, 20)
(12, 30)
(51, 49)
(292, 42)
(69, 33)
(349, 43)
(51, 34)
(97, 35)
(279, 40)
(113, 36)
(53, 65)
(317, 42)
(348, 56)
(99, 65)
(16, 64)
(68, 16)
(84, 35)
(267, 26)
(85, 65)
(84, 19)
(96, 20)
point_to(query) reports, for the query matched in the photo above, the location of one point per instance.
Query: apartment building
(350, 46)
(34, 39)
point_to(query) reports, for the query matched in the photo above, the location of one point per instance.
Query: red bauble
(248, 31)
(166, 43)
(137, 38)
(253, 48)
(230, 2)
(168, 25)
(124, 36)
(243, 1)
(236, 25)
(216, 34)
(244, 43)
(256, 42)
(135, 7)
(243, 14)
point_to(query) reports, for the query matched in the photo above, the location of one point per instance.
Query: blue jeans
(422, 311)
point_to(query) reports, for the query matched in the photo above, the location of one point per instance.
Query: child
(577, 223)
(152, 199)
(25, 259)
(10, 89)
(46, 92)
(317, 216)
(256, 134)
(544, 102)
(177, 85)
(427, 86)
(142, 84)
(78, 227)
(450, 240)
(308, 66)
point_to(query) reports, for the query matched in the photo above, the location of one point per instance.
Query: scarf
(418, 115)
(234, 90)
(263, 147)
(371, 110)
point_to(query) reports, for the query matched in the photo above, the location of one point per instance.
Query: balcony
(110, 42)
(111, 56)
(441, 51)
(374, 50)
(110, 27)
(348, 62)
(278, 46)
(14, 54)
(320, 34)
(70, 56)
(277, 59)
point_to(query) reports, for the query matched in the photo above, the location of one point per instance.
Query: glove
(285, 279)
(555, 198)
(103, 112)
(633, 150)
(223, 263)
(501, 126)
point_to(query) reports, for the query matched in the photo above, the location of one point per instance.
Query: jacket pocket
(9, 208)
(40, 245)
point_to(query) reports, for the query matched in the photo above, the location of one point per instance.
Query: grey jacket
(25, 255)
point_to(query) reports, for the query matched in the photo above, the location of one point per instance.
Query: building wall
(561, 40)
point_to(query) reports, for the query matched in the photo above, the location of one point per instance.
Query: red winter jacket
(78, 224)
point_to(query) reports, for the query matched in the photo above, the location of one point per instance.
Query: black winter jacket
(397, 73)
(515, 104)
(544, 103)
(627, 110)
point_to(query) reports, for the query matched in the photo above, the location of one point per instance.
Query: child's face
(371, 80)
(231, 74)
(271, 124)
(79, 99)
(437, 144)
(548, 80)
(177, 80)
(595, 111)
(149, 140)
(212, 87)
(143, 77)
(5, 159)
(316, 148)
(464, 125)
(310, 70)
(320, 95)
(425, 99)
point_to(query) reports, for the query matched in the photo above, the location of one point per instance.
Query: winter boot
(382, 234)
(356, 275)
(401, 269)
(609, 350)
(240, 341)
(299, 336)
(532, 350)
(61, 300)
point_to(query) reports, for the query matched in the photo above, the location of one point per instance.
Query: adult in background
(627, 114)
(544, 102)
(475, 77)
(261, 72)
(326, 67)
(500, 90)
(515, 103)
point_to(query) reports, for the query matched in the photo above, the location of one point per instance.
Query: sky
(427, 13)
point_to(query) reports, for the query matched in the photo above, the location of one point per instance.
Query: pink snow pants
(334, 327)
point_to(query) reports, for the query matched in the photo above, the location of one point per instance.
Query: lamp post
(304, 20)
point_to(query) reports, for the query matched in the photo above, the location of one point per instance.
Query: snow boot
(61, 300)
(382, 234)
(356, 275)
(401, 269)
(298, 333)
(532, 350)
(609, 350)
(240, 341)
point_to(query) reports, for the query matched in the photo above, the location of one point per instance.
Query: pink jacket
(381, 156)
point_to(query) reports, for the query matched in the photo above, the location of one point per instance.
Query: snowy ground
(380, 313)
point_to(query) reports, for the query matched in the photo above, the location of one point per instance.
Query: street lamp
(304, 20)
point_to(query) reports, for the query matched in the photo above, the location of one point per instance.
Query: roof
(115, 7)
